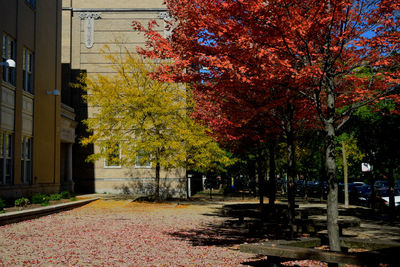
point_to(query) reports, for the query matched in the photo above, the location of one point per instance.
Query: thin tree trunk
(272, 173)
(345, 177)
(306, 189)
(157, 182)
(391, 193)
(332, 205)
(251, 165)
(322, 173)
(372, 197)
(291, 168)
(261, 176)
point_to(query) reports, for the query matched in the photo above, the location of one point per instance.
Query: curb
(19, 216)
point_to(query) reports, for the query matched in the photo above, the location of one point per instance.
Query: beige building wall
(35, 115)
(88, 26)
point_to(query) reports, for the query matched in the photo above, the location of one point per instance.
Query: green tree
(348, 154)
(354, 155)
(146, 121)
(377, 130)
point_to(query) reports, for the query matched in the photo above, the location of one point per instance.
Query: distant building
(36, 129)
(89, 25)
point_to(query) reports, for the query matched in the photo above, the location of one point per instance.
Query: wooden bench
(256, 212)
(315, 223)
(320, 223)
(279, 251)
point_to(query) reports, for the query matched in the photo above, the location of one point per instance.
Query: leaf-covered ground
(118, 233)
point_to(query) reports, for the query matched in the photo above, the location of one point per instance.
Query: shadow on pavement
(250, 223)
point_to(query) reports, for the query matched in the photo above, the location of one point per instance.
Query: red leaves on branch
(251, 63)
(262, 53)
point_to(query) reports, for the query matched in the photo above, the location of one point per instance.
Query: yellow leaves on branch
(145, 117)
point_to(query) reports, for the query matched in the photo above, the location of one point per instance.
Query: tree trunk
(332, 205)
(305, 189)
(291, 168)
(261, 176)
(345, 177)
(372, 197)
(322, 173)
(157, 182)
(251, 165)
(272, 173)
(391, 192)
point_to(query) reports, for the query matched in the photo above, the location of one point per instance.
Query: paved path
(121, 233)
(372, 226)
(118, 232)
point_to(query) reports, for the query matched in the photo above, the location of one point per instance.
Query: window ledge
(27, 94)
(112, 167)
(143, 167)
(8, 85)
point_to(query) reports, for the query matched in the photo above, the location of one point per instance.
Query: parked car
(299, 184)
(359, 192)
(384, 195)
(313, 188)
(364, 194)
(381, 184)
(316, 188)
(382, 198)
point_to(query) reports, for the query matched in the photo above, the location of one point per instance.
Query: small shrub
(2, 205)
(39, 199)
(55, 197)
(73, 199)
(21, 202)
(65, 195)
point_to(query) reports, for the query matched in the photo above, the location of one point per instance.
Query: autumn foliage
(322, 58)
(137, 120)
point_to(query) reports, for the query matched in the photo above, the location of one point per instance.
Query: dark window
(6, 158)
(27, 71)
(8, 52)
(26, 160)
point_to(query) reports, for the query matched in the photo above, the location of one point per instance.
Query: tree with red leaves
(310, 51)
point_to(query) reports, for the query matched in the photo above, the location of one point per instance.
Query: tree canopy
(304, 55)
(146, 121)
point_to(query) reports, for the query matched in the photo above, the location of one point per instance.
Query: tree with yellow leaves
(143, 119)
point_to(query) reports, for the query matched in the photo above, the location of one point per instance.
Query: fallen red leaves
(116, 233)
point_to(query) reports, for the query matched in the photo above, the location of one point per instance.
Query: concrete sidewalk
(18, 216)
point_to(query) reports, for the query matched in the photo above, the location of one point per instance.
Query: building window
(31, 3)
(142, 161)
(6, 158)
(27, 71)
(8, 52)
(113, 158)
(26, 160)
